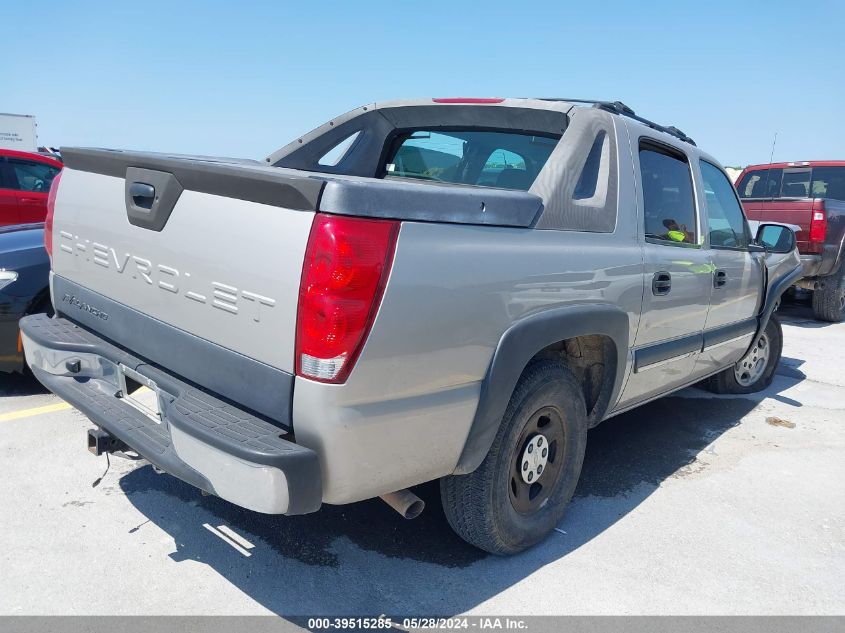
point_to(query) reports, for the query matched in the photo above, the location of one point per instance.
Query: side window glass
(32, 176)
(725, 220)
(589, 178)
(668, 201)
(336, 153)
(796, 183)
(761, 183)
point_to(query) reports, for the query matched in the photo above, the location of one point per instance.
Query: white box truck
(17, 131)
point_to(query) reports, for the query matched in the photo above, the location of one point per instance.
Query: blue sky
(244, 78)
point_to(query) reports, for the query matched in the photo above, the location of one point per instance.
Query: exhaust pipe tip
(415, 509)
(405, 502)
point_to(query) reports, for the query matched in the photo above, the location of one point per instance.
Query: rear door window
(506, 160)
(668, 201)
(828, 182)
(760, 183)
(796, 183)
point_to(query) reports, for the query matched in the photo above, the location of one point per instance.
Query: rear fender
(518, 345)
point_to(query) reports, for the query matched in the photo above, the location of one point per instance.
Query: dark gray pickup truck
(446, 289)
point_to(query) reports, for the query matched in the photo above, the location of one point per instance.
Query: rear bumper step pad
(201, 439)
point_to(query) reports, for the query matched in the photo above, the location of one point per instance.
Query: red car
(810, 194)
(25, 180)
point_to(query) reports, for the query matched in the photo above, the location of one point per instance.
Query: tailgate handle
(150, 197)
(142, 194)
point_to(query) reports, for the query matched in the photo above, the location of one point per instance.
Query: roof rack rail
(617, 107)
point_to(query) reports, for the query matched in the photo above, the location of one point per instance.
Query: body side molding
(727, 333)
(664, 351)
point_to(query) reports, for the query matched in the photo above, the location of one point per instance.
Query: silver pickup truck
(445, 289)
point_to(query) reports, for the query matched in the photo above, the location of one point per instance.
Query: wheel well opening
(592, 359)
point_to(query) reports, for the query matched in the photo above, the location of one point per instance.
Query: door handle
(661, 283)
(720, 278)
(29, 200)
(142, 194)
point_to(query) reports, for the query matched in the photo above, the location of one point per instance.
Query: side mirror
(775, 238)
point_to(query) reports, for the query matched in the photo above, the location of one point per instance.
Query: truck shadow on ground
(20, 385)
(364, 559)
(798, 311)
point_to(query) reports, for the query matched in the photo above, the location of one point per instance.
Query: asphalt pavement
(694, 504)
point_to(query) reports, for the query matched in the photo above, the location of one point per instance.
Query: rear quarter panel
(404, 414)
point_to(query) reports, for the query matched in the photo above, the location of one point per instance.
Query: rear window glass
(829, 182)
(802, 182)
(506, 160)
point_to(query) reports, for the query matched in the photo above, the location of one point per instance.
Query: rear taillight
(48, 221)
(347, 262)
(818, 223)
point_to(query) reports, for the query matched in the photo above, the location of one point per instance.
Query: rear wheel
(520, 491)
(829, 302)
(756, 370)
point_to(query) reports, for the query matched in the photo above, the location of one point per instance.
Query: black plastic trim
(518, 346)
(405, 200)
(306, 191)
(667, 350)
(75, 394)
(773, 295)
(243, 180)
(164, 191)
(195, 411)
(728, 332)
(223, 371)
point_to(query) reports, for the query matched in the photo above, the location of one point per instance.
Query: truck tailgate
(223, 269)
(798, 212)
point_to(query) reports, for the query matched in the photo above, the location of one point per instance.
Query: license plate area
(140, 393)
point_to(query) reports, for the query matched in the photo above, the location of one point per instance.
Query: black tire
(728, 380)
(829, 302)
(44, 305)
(482, 506)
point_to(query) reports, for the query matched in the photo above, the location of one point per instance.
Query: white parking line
(226, 539)
(237, 538)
